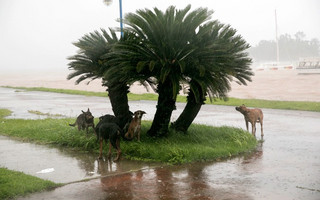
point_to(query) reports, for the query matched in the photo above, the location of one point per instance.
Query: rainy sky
(38, 34)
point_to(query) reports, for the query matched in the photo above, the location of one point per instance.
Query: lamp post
(277, 39)
(108, 2)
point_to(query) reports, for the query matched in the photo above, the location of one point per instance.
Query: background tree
(290, 49)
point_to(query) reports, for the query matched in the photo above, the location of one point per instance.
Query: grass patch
(36, 112)
(13, 184)
(202, 143)
(62, 91)
(288, 105)
(4, 113)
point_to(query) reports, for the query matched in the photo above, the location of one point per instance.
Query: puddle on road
(243, 178)
(68, 165)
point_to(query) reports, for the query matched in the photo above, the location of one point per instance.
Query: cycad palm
(178, 46)
(89, 63)
(219, 56)
(159, 52)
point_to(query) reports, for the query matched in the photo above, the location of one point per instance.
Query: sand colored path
(272, 85)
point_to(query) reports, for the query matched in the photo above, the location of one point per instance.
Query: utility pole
(121, 24)
(277, 39)
(108, 2)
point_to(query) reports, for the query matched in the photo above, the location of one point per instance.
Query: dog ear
(143, 112)
(88, 110)
(83, 112)
(131, 113)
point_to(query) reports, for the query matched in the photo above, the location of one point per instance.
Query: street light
(108, 2)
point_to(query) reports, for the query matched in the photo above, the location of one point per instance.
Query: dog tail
(124, 136)
(114, 137)
(124, 131)
(74, 124)
(259, 120)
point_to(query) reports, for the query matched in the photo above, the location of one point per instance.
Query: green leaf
(164, 73)
(151, 65)
(202, 70)
(141, 65)
(182, 65)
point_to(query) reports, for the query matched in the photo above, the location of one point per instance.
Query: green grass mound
(13, 183)
(201, 143)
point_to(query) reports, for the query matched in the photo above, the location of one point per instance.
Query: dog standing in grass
(253, 116)
(84, 121)
(108, 129)
(135, 126)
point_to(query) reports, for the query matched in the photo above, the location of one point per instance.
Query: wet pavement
(68, 165)
(285, 166)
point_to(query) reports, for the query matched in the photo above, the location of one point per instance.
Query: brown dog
(135, 126)
(252, 116)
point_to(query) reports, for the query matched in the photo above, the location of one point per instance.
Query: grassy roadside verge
(202, 143)
(13, 183)
(288, 105)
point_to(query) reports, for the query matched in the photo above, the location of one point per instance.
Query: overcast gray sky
(37, 34)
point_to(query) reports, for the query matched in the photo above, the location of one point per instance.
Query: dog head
(242, 109)
(108, 118)
(139, 113)
(88, 115)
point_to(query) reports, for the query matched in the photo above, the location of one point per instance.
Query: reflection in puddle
(173, 182)
(69, 165)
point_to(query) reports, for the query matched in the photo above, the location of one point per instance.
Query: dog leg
(261, 124)
(127, 135)
(253, 129)
(101, 142)
(118, 150)
(247, 125)
(138, 132)
(109, 153)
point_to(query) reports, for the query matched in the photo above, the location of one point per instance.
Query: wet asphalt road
(285, 166)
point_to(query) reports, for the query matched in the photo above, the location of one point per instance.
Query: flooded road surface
(68, 165)
(285, 166)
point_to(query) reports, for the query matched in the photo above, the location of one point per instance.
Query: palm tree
(162, 43)
(89, 63)
(219, 57)
(178, 46)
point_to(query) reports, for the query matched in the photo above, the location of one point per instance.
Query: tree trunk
(165, 106)
(119, 102)
(190, 111)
